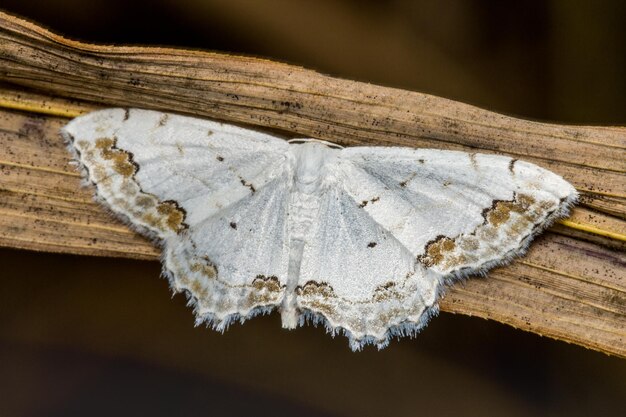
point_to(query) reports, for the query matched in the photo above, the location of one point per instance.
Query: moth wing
(206, 190)
(458, 213)
(356, 277)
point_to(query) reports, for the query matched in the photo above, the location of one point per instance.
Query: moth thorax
(311, 160)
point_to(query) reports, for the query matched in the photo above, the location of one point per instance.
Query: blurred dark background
(96, 336)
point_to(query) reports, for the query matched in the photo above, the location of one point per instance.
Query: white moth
(362, 239)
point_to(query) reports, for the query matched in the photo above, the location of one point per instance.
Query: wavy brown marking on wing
(512, 165)
(366, 202)
(122, 160)
(163, 119)
(205, 267)
(265, 289)
(500, 210)
(169, 213)
(175, 215)
(204, 284)
(319, 295)
(247, 184)
(452, 252)
(198, 290)
(270, 283)
(314, 288)
(321, 298)
(382, 292)
(435, 250)
(387, 291)
(473, 161)
(145, 201)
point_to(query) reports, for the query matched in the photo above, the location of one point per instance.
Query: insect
(361, 239)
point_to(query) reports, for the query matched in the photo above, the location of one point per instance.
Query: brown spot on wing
(165, 215)
(366, 202)
(317, 296)
(145, 201)
(436, 250)
(204, 267)
(151, 220)
(314, 288)
(386, 292)
(500, 210)
(163, 119)
(473, 161)
(406, 181)
(122, 160)
(198, 290)
(263, 282)
(175, 215)
(247, 184)
(265, 289)
(469, 243)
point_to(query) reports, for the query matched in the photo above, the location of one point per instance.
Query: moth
(361, 239)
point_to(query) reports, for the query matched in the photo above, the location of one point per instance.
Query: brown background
(93, 336)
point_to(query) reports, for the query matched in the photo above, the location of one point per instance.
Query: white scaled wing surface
(214, 194)
(361, 239)
(459, 213)
(395, 224)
